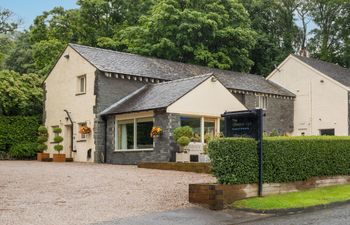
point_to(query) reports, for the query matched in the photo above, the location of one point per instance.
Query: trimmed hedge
(18, 130)
(286, 159)
(23, 151)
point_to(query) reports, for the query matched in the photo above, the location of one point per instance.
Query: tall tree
(20, 95)
(214, 33)
(8, 22)
(328, 15)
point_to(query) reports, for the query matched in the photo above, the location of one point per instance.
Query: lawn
(299, 199)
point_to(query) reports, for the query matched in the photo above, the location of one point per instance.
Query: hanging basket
(156, 132)
(85, 130)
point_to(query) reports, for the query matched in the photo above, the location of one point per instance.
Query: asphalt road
(332, 216)
(200, 216)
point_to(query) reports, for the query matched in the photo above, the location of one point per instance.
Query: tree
(45, 54)
(20, 94)
(214, 33)
(327, 42)
(8, 23)
(277, 33)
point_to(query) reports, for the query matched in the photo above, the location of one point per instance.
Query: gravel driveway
(80, 193)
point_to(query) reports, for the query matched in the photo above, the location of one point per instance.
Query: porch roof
(156, 96)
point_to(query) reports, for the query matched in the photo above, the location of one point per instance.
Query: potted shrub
(42, 139)
(58, 147)
(182, 136)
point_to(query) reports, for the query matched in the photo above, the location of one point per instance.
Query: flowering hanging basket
(85, 130)
(156, 131)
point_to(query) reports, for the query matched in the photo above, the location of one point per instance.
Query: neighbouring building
(321, 90)
(121, 96)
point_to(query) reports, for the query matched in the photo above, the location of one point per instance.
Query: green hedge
(17, 130)
(286, 159)
(23, 151)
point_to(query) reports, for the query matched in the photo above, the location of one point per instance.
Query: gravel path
(80, 193)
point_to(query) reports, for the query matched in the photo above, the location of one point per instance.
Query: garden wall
(215, 196)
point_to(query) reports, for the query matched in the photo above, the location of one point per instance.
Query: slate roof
(136, 65)
(336, 72)
(156, 96)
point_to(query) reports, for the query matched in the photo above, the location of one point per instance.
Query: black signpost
(248, 123)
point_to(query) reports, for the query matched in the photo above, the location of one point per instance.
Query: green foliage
(57, 130)
(8, 23)
(185, 131)
(23, 151)
(43, 130)
(183, 141)
(20, 95)
(17, 130)
(58, 139)
(42, 139)
(58, 147)
(286, 159)
(234, 160)
(41, 147)
(214, 33)
(45, 54)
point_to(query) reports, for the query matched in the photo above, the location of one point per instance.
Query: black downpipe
(71, 133)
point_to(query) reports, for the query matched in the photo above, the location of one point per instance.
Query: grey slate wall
(279, 113)
(164, 149)
(108, 90)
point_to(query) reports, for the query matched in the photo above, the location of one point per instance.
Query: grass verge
(301, 199)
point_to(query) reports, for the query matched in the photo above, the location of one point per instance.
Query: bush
(286, 159)
(58, 139)
(41, 147)
(42, 130)
(183, 141)
(17, 130)
(185, 131)
(57, 130)
(42, 139)
(58, 147)
(23, 151)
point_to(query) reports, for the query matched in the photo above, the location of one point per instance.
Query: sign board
(248, 123)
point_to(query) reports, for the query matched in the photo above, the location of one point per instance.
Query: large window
(134, 134)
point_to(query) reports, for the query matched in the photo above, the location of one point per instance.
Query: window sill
(134, 150)
(82, 93)
(82, 140)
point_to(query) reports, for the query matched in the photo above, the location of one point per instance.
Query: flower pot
(41, 156)
(182, 157)
(59, 157)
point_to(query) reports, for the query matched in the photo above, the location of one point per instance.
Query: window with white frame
(134, 134)
(81, 84)
(262, 102)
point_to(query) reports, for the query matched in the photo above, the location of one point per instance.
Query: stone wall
(215, 196)
(279, 114)
(164, 148)
(108, 90)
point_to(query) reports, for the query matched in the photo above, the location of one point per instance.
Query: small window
(126, 134)
(82, 135)
(329, 132)
(262, 102)
(81, 84)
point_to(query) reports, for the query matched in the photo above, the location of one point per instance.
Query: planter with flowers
(58, 147)
(85, 130)
(42, 139)
(156, 132)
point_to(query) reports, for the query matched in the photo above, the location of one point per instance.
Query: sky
(27, 10)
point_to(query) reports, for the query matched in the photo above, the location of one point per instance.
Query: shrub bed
(286, 159)
(17, 135)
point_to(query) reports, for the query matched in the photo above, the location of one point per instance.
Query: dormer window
(81, 84)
